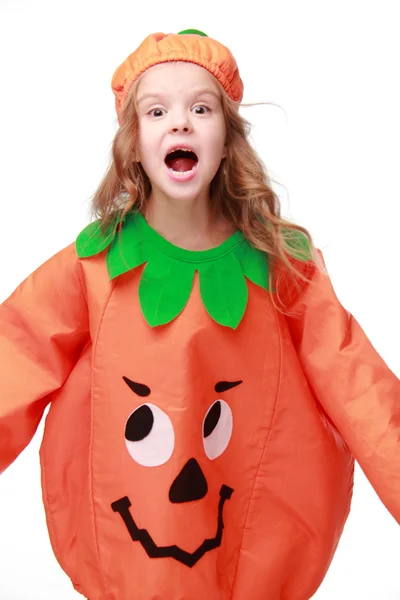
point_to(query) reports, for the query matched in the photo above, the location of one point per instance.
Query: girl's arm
(43, 328)
(353, 384)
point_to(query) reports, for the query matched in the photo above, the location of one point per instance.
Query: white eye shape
(149, 436)
(217, 429)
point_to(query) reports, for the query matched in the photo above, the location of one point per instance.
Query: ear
(225, 152)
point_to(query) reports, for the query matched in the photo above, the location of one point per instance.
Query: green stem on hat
(195, 31)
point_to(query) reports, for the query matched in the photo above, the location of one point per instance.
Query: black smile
(187, 558)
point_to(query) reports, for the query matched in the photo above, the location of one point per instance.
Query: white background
(334, 158)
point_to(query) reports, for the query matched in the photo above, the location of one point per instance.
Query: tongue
(181, 164)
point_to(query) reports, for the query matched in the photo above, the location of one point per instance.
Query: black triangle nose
(189, 485)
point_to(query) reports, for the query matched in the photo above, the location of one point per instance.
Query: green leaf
(128, 249)
(254, 264)
(164, 288)
(298, 244)
(92, 240)
(224, 290)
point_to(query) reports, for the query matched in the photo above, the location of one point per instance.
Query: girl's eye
(203, 109)
(156, 110)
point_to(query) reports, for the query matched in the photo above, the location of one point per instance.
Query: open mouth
(153, 551)
(181, 161)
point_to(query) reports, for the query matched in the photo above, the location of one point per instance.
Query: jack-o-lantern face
(150, 440)
(181, 415)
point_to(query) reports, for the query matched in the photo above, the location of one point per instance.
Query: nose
(189, 485)
(180, 121)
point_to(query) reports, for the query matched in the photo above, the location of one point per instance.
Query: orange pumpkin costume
(189, 451)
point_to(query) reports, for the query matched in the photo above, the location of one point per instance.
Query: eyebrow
(223, 386)
(195, 92)
(143, 390)
(139, 388)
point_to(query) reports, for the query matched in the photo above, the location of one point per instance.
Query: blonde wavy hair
(240, 192)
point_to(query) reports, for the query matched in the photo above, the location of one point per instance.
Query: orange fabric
(70, 335)
(353, 384)
(43, 327)
(160, 47)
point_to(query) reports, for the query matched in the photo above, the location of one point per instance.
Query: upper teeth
(184, 149)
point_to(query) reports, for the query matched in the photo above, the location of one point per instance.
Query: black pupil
(139, 424)
(212, 418)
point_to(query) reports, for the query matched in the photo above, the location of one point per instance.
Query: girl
(208, 391)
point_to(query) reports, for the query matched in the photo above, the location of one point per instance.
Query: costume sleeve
(355, 387)
(43, 328)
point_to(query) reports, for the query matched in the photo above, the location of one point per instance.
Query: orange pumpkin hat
(190, 45)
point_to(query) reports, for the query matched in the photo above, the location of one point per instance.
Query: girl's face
(179, 106)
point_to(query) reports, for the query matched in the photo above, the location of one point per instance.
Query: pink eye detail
(149, 436)
(217, 429)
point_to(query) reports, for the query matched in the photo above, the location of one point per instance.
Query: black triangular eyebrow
(223, 386)
(139, 388)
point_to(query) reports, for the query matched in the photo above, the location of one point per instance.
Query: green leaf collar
(167, 278)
